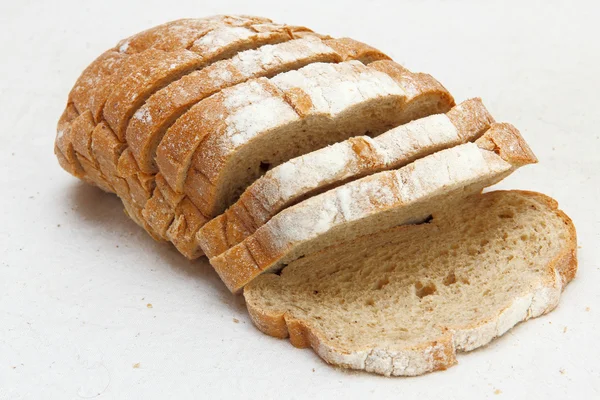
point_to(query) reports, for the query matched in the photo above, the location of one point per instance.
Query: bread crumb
(149, 305)
(497, 391)
(237, 321)
(562, 371)
(565, 329)
(136, 365)
(587, 309)
(313, 370)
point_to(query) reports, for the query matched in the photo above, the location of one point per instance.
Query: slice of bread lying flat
(379, 201)
(404, 301)
(316, 172)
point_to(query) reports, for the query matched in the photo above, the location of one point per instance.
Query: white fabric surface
(77, 277)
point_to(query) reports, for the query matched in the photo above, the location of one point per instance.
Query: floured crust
(109, 97)
(209, 116)
(316, 172)
(347, 209)
(440, 353)
(165, 106)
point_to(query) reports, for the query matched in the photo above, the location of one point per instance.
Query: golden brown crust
(350, 49)
(415, 84)
(98, 71)
(140, 185)
(133, 90)
(63, 145)
(106, 148)
(94, 176)
(183, 229)
(470, 117)
(158, 213)
(182, 33)
(81, 136)
(506, 141)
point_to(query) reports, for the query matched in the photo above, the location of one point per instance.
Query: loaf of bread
(339, 190)
(180, 119)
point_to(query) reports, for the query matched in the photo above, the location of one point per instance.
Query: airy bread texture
(321, 170)
(404, 301)
(376, 202)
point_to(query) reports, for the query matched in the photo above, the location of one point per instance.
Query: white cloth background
(77, 277)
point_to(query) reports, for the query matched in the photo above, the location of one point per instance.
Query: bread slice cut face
(404, 301)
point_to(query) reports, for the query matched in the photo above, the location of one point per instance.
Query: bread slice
(376, 202)
(225, 142)
(151, 120)
(316, 172)
(404, 301)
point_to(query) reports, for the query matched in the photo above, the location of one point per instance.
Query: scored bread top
(373, 203)
(404, 301)
(315, 172)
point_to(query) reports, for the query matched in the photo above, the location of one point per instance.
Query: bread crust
(560, 271)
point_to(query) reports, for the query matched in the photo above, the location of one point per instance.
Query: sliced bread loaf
(316, 172)
(376, 202)
(225, 142)
(120, 80)
(151, 120)
(404, 301)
